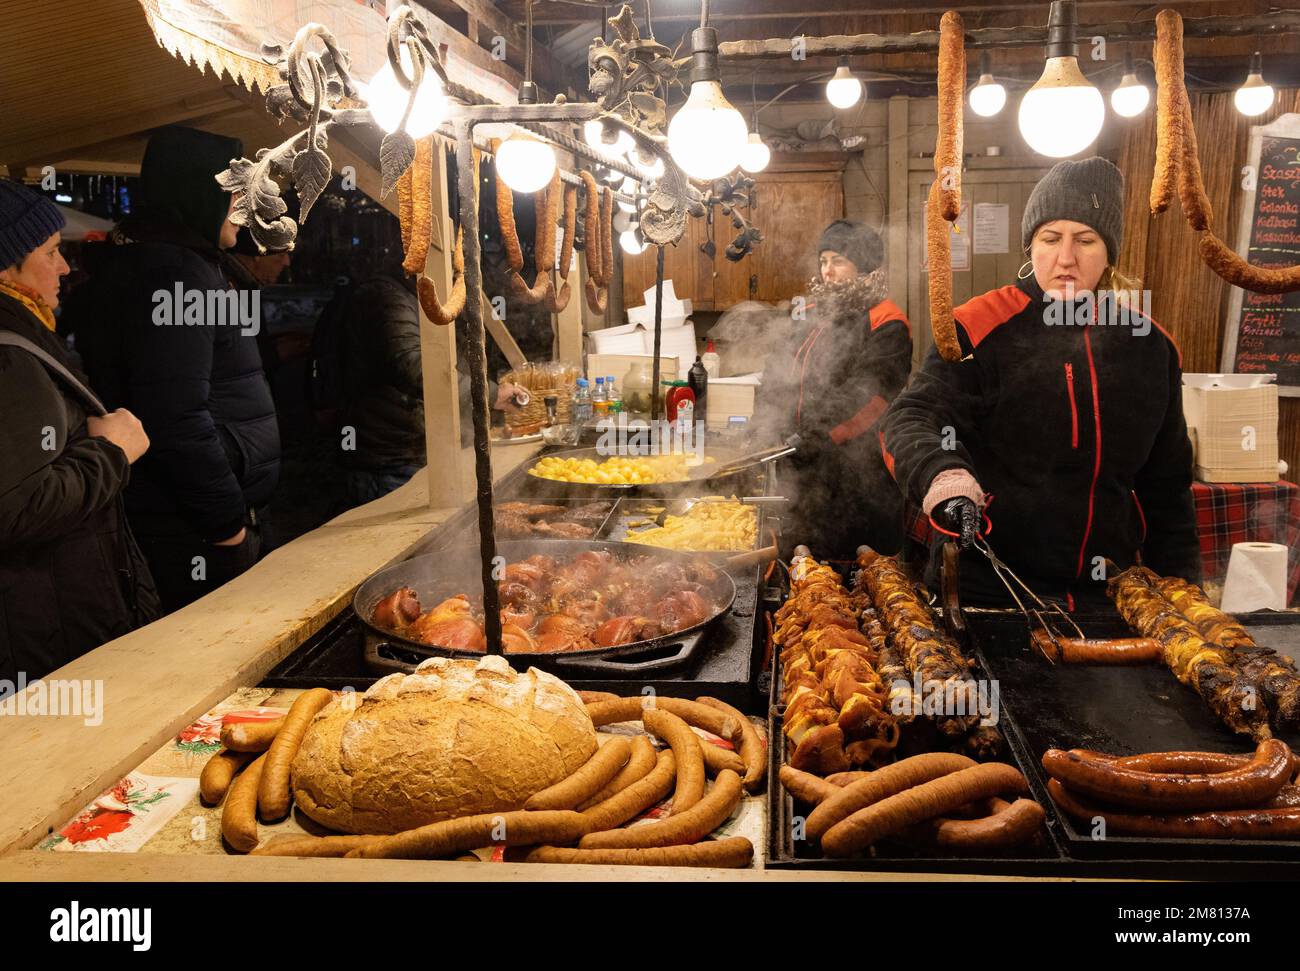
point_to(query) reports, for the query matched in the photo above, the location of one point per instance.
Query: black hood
(178, 179)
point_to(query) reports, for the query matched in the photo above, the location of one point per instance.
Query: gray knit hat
(1089, 191)
(855, 241)
(27, 219)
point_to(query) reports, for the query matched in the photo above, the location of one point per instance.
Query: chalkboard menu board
(1264, 329)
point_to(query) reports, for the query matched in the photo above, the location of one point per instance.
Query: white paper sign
(958, 241)
(961, 240)
(991, 227)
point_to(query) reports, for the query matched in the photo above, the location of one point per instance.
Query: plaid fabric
(1262, 512)
(1226, 513)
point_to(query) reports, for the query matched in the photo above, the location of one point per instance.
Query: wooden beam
(775, 48)
(547, 71)
(438, 362)
(499, 333)
(896, 234)
(65, 143)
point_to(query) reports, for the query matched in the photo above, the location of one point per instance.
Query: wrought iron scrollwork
(318, 91)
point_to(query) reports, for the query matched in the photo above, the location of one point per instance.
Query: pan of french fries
(712, 524)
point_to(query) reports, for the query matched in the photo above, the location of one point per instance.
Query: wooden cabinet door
(791, 209)
(791, 203)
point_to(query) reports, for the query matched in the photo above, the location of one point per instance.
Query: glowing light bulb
(648, 163)
(1255, 96)
(525, 163)
(707, 134)
(1062, 113)
(632, 243)
(628, 188)
(843, 90)
(593, 132)
(988, 97)
(755, 155)
(1131, 97)
(387, 99)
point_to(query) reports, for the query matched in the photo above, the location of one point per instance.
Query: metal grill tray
(785, 853)
(1118, 710)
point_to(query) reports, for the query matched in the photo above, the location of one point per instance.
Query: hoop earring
(1022, 275)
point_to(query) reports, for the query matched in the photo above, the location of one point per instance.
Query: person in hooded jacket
(1063, 422)
(846, 357)
(71, 575)
(198, 386)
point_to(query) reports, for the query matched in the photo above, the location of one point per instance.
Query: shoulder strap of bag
(87, 396)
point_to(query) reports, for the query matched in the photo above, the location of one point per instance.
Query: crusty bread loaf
(456, 738)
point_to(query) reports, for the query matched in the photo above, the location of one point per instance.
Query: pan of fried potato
(586, 471)
(714, 524)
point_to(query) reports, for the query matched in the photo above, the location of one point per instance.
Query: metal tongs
(1043, 615)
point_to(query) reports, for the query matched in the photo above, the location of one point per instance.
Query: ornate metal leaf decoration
(396, 153)
(311, 173)
(258, 204)
(743, 245)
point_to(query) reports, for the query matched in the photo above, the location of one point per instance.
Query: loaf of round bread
(456, 738)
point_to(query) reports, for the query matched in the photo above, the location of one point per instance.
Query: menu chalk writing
(1264, 329)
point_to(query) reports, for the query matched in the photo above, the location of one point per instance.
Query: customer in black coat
(71, 576)
(846, 356)
(192, 373)
(381, 395)
(1064, 419)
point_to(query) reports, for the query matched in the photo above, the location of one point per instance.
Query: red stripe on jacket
(982, 315)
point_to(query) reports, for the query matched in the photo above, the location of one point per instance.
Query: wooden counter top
(158, 679)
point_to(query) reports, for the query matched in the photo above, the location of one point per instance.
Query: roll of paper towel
(1256, 578)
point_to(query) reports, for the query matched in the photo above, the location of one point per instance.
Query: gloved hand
(962, 517)
(954, 501)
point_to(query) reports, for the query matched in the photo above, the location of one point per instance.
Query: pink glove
(950, 484)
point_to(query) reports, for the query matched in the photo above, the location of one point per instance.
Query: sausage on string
(558, 300)
(942, 322)
(952, 83)
(1168, 56)
(441, 313)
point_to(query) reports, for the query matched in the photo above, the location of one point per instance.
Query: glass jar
(636, 388)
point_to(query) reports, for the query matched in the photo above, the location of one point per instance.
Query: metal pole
(659, 331)
(476, 360)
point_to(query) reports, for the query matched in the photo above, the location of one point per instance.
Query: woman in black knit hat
(1065, 413)
(71, 576)
(846, 357)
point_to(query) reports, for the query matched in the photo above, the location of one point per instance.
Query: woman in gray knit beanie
(1066, 406)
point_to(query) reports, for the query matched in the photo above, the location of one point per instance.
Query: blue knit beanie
(27, 219)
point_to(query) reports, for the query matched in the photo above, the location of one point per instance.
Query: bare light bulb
(1131, 97)
(593, 132)
(648, 163)
(525, 163)
(628, 188)
(631, 242)
(988, 97)
(1255, 96)
(843, 90)
(707, 134)
(755, 155)
(1062, 113)
(387, 99)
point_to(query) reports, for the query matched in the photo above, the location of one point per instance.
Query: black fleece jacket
(1076, 429)
(830, 382)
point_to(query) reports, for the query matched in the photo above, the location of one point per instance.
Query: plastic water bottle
(599, 400)
(582, 409)
(611, 392)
